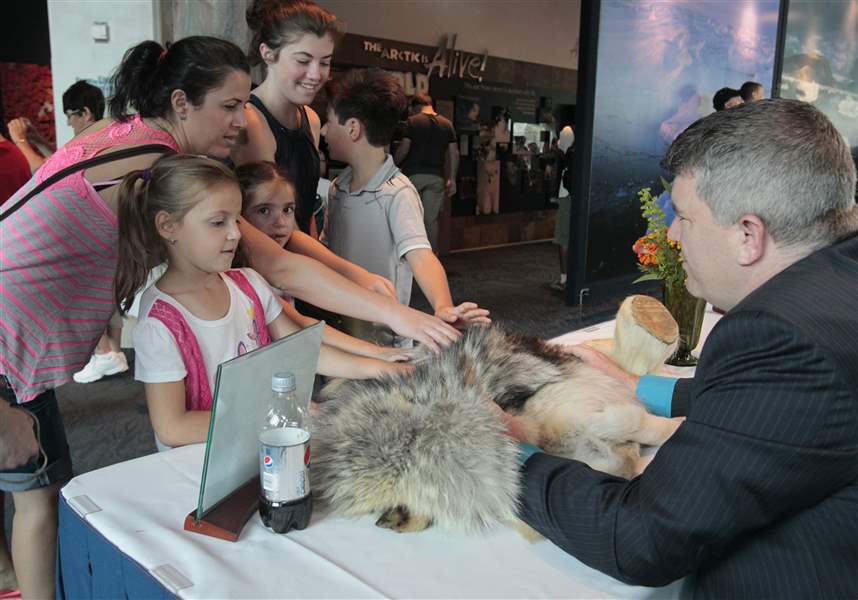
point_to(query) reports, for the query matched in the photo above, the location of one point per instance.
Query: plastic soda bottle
(285, 501)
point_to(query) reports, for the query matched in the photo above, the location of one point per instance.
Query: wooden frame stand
(226, 519)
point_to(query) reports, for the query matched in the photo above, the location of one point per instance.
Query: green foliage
(658, 256)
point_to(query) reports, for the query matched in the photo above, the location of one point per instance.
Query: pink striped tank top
(58, 257)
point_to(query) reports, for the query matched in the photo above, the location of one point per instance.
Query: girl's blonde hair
(174, 184)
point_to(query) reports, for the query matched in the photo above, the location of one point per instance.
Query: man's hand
(424, 328)
(18, 445)
(516, 428)
(450, 186)
(464, 315)
(603, 363)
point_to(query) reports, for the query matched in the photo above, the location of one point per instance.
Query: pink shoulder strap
(198, 395)
(259, 312)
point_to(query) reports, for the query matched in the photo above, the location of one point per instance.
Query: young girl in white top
(269, 204)
(185, 210)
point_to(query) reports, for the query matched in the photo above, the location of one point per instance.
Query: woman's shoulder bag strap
(86, 164)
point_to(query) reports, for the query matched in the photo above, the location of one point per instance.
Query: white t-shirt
(157, 356)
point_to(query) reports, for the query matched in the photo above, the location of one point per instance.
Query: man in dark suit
(756, 494)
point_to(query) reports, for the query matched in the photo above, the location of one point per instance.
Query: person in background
(374, 217)
(565, 141)
(756, 494)
(83, 105)
(726, 98)
(752, 91)
(428, 154)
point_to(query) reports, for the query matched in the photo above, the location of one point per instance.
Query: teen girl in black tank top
(296, 151)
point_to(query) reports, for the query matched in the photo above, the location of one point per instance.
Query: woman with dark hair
(58, 239)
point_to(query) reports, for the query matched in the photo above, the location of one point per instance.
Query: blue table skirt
(88, 566)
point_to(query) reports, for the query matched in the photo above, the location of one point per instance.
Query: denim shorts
(51, 437)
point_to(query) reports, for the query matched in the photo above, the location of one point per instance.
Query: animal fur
(429, 447)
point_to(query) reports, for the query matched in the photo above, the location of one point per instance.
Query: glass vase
(688, 311)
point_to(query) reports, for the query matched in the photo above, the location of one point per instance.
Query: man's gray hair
(781, 160)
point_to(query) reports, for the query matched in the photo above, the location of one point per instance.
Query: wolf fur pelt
(429, 447)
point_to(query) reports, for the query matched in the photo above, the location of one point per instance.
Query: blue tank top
(296, 152)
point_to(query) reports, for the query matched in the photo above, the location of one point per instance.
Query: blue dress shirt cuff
(656, 393)
(525, 451)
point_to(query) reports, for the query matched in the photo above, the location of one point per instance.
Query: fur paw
(400, 519)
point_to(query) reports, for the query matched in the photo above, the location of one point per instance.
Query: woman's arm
(309, 280)
(333, 362)
(174, 425)
(301, 243)
(343, 341)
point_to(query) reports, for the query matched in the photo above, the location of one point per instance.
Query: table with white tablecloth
(121, 534)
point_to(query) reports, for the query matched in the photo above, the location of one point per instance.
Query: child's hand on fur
(398, 355)
(602, 362)
(464, 315)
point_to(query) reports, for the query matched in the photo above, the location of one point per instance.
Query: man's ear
(166, 226)
(180, 103)
(753, 236)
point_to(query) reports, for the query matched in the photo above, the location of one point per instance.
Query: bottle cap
(283, 382)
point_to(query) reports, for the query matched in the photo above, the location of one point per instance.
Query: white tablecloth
(140, 505)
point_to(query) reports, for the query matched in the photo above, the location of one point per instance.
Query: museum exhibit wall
(656, 67)
(820, 61)
(88, 40)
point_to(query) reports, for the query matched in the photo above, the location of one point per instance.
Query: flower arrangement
(661, 258)
(658, 256)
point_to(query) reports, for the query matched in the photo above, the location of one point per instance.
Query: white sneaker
(100, 365)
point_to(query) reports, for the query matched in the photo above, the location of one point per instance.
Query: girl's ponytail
(140, 246)
(133, 80)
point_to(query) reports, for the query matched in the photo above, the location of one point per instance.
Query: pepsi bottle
(285, 502)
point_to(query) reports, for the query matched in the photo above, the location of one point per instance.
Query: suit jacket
(756, 494)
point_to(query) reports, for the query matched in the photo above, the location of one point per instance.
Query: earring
(173, 242)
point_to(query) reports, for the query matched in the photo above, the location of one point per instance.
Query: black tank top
(296, 152)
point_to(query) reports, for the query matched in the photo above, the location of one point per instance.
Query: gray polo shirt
(377, 225)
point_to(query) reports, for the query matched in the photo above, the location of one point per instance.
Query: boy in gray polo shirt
(374, 216)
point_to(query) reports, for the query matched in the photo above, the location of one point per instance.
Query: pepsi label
(284, 455)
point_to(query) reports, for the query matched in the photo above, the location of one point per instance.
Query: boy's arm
(174, 425)
(344, 341)
(309, 280)
(302, 243)
(432, 279)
